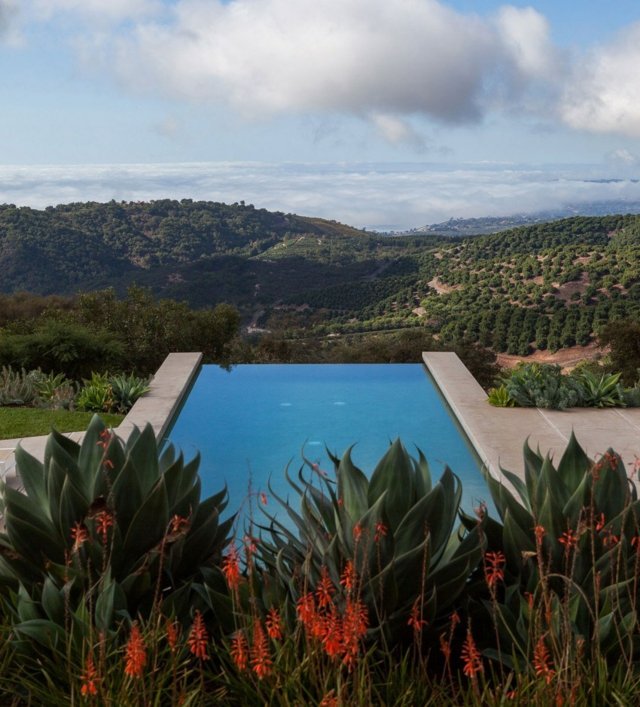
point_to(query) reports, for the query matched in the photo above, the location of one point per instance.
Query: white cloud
(9, 30)
(603, 94)
(112, 10)
(364, 57)
(397, 131)
(392, 196)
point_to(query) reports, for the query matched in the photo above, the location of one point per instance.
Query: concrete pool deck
(167, 388)
(498, 434)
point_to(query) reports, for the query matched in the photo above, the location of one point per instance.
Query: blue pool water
(251, 421)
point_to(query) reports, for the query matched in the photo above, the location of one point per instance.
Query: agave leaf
(144, 455)
(56, 475)
(45, 632)
(73, 507)
(422, 475)
(53, 602)
(149, 524)
(201, 538)
(393, 474)
(167, 457)
(352, 487)
(105, 607)
(516, 541)
(532, 465)
(32, 475)
(519, 486)
(127, 495)
(578, 500)
(573, 465)
(60, 444)
(91, 451)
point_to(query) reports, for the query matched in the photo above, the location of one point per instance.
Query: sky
(372, 112)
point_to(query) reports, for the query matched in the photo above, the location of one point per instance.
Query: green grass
(29, 422)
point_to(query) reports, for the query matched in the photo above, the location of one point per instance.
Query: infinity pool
(250, 422)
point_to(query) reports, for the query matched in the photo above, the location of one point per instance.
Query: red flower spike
(231, 569)
(357, 532)
(79, 535)
(333, 637)
(494, 563)
(306, 610)
(542, 661)
(274, 624)
(240, 651)
(569, 539)
(198, 637)
(89, 687)
(415, 619)
(263, 498)
(104, 521)
(135, 654)
(173, 633)
(325, 589)
(260, 657)
(348, 578)
(381, 531)
(471, 657)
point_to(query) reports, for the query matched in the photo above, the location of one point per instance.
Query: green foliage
(96, 394)
(599, 390)
(396, 529)
(106, 531)
(126, 389)
(541, 385)
(56, 346)
(499, 397)
(570, 537)
(623, 337)
(17, 387)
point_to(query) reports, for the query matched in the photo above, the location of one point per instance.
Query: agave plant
(126, 390)
(106, 531)
(569, 538)
(604, 390)
(396, 531)
(499, 397)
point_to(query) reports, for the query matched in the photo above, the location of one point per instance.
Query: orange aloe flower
(540, 532)
(569, 539)
(274, 624)
(135, 654)
(542, 661)
(329, 700)
(348, 578)
(415, 619)
(198, 637)
(173, 633)
(357, 532)
(354, 627)
(240, 650)
(306, 610)
(471, 657)
(260, 657)
(325, 589)
(89, 678)
(79, 535)
(231, 568)
(104, 521)
(333, 639)
(381, 531)
(494, 563)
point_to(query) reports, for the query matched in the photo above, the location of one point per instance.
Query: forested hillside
(545, 286)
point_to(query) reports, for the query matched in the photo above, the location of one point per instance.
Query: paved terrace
(498, 434)
(169, 384)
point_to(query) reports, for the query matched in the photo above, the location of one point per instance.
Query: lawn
(29, 422)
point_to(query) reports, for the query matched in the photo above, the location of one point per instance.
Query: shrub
(105, 532)
(499, 397)
(17, 387)
(390, 542)
(541, 385)
(126, 389)
(569, 540)
(96, 395)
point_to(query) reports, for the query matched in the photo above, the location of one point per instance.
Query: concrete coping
(499, 434)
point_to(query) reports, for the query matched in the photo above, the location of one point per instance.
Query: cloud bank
(385, 197)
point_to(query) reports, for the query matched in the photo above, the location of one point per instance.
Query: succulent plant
(126, 389)
(106, 531)
(499, 397)
(599, 390)
(17, 387)
(396, 530)
(570, 539)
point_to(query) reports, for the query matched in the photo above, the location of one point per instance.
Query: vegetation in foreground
(120, 585)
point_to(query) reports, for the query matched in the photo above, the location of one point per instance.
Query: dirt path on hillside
(567, 358)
